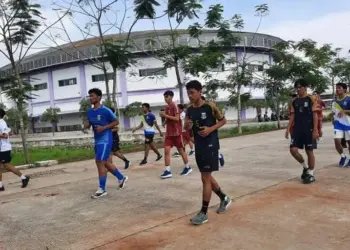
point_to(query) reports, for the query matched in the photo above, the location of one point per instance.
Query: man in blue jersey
(148, 122)
(341, 111)
(102, 120)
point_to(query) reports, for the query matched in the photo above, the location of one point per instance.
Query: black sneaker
(191, 153)
(127, 164)
(309, 179)
(159, 157)
(123, 182)
(143, 162)
(25, 182)
(303, 175)
(176, 155)
(2, 189)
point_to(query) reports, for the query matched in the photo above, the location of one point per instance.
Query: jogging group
(197, 126)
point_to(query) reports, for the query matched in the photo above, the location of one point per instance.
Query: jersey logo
(306, 104)
(345, 103)
(99, 117)
(204, 116)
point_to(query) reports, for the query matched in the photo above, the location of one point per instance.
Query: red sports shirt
(320, 106)
(173, 128)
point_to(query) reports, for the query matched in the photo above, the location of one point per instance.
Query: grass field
(71, 154)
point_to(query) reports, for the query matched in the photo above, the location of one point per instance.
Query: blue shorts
(102, 152)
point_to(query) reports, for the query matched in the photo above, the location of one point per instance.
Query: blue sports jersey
(148, 123)
(341, 123)
(101, 117)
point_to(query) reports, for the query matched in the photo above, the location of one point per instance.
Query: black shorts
(5, 157)
(303, 139)
(207, 159)
(149, 139)
(116, 143)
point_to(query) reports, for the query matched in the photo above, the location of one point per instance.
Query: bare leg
(183, 155)
(120, 155)
(147, 146)
(295, 153)
(338, 146)
(167, 151)
(153, 147)
(311, 159)
(12, 169)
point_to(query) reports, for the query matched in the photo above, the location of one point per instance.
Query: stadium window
(153, 72)
(40, 86)
(101, 77)
(67, 82)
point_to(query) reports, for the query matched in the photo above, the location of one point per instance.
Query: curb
(38, 164)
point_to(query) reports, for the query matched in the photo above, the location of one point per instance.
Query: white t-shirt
(5, 144)
(182, 117)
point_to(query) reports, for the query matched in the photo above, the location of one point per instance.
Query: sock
(187, 165)
(220, 155)
(168, 168)
(205, 205)
(118, 174)
(23, 177)
(304, 165)
(310, 172)
(125, 160)
(0, 184)
(219, 193)
(103, 180)
(342, 155)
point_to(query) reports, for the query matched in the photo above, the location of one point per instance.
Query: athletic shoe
(186, 171)
(309, 179)
(343, 161)
(224, 204)
(159, 157)
(127, 165)
(123, 182)
(99, 193)
(143, 162)
(25, 182)
(167, 174)
(303, 175)
(199, 219)
(2, 189)
(191, 153)
(177, 154)
(221, 160)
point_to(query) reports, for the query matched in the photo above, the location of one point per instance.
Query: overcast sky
(321, 20)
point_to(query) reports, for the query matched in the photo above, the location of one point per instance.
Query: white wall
(42, 95)
(66, 91)
(68, 106)
(39, 110)
(135, 82)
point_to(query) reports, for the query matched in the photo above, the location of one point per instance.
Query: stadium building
(62, 77)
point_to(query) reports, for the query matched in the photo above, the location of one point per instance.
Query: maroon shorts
(186, 137)
(174, 141)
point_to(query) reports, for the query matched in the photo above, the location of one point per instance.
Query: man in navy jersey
(303, 127)
(102, 120)
(204, 118)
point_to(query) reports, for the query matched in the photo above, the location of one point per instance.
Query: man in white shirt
(5, 153)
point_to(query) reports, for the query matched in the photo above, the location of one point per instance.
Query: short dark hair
(2, 113)
(343, 85)
(293, 95)
(194, 84)
(203, 98)
(169, 93)
(181, 106)
(112, 109)
(146, 105)
(302, 82)
(95, 91)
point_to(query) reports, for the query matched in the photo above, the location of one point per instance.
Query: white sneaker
(99, 193)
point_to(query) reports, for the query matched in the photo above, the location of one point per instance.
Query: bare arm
(116, 128)
(173, 118)
(111, 125)
(87, 124)
(138, 127)
(158, 128)
(315, 119)
(4, 136)
(219, 124)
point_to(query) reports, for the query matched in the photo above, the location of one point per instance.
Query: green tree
(19, 30)
(85, 105)
(132, 110)
(51, 115)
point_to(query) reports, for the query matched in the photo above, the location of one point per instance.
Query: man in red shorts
(321, 105)
(173, 136)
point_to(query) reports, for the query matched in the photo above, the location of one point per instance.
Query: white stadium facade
(62, 77)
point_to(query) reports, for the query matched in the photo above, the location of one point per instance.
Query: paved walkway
(271, 211)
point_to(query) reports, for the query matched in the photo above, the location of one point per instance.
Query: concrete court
(271, 211)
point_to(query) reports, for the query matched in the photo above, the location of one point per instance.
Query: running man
(102, 121)
(116, 144)
(5, 153)
(148, 122)
(185, 134)
(341, 111)
(204, 118)
(303, 124)
(321, 105)
(173, 136)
